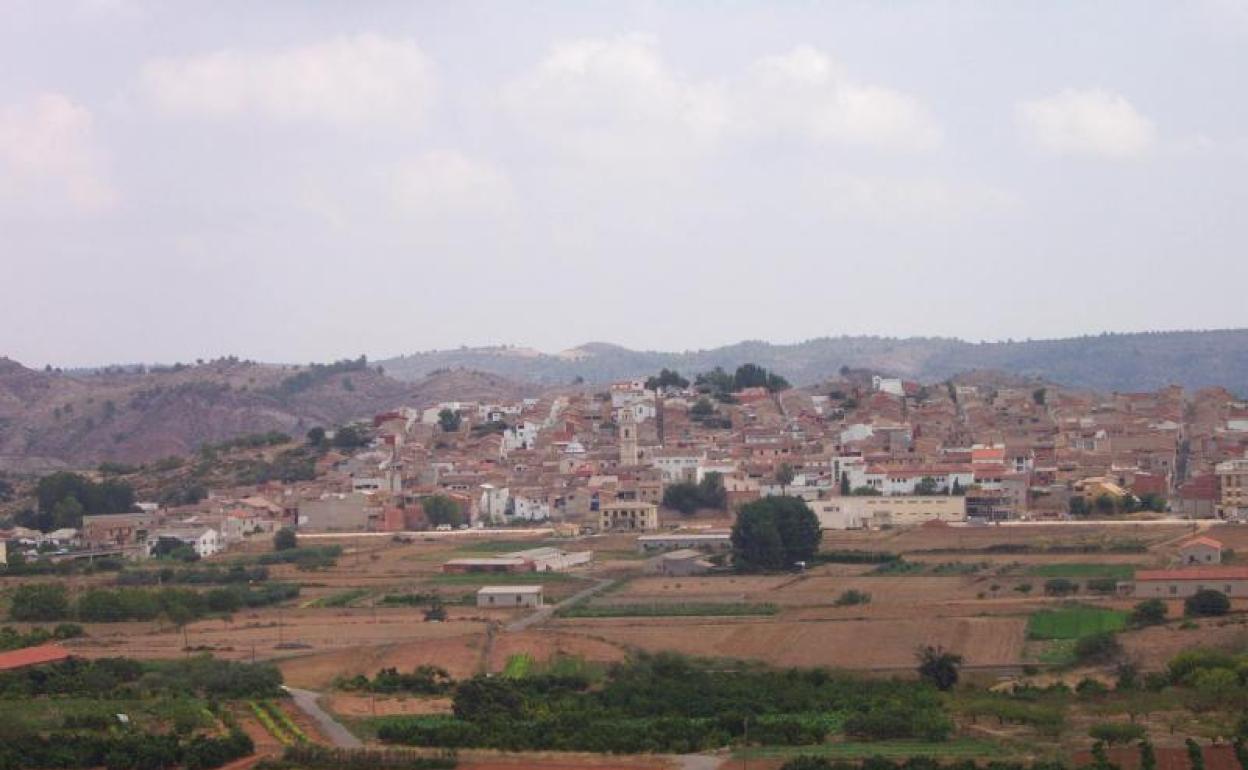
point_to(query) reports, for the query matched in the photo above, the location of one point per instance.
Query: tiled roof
(1200, 573)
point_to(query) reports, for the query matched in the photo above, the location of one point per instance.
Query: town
(1013, 525)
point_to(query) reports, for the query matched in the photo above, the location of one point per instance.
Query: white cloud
(348, 81)
(1089, 122)
(806, 92)
(616, 100)
(48, 154)
(446, 183)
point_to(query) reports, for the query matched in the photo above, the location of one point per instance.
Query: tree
(316, 436)
(1078, 505)
(1149, 612)
(442, 510)
(1040, 396)
(39, 602)
(1105, 504)
(938, 666)
(437, 610)
(956, 490)
(867, 492)
(1206, 603)
(449, 420)
(1195, 757)
(712, 492)
(667, 378)
(784, 477)
(1148, 757)
(844, 485)
(775, 533)
(701, 409)
(926, 486)
(683, 497)
(285, 539)
(349, 437)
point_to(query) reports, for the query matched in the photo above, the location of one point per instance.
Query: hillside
(1143, 361)
(49, 419)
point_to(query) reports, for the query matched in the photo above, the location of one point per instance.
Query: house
(117, 529)
(1182, 583)
(1233, 485)
(509, 597)
(1201, 550)
(628, 516)
(680, 563)
(701, 541)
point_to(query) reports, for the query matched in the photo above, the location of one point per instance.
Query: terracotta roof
(32, 656)
(1208, 541)
(1199, 573)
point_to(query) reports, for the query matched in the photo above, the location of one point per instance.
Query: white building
(509, 597)
(529, 508)
(874, 512)
(493, 504)
(890, 385)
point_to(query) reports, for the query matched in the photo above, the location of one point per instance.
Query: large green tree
(774, 533)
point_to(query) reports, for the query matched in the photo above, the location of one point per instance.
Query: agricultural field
(1074, 622)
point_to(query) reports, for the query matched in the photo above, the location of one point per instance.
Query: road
(340, 736)
(545, 612)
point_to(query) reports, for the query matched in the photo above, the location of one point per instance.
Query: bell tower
(628, 437)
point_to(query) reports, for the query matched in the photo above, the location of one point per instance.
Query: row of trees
(1110, 505)
(720, 383)
(50, 602)
(63, 498)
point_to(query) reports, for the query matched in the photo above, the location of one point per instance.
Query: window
(1174, 589)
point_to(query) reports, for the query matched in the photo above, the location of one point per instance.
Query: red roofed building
(1182, 583)
(33, 656)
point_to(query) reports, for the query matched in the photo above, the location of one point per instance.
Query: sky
(307, 181)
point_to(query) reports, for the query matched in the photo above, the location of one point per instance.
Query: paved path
(545, 612)
(341, 737)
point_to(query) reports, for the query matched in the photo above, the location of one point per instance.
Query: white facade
(529, 508)
(509, 597)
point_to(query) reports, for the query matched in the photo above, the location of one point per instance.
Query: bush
(1149, 612)
(852, 597)
(1206, 603)
(1060, 587)
(285, 539)
(1097, 648)
(1115, 733)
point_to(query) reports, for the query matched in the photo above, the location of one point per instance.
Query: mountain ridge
(1107, 361)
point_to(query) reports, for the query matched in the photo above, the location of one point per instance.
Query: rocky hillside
(1107, 362)
(50, 420)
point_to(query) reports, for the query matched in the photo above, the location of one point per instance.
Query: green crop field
(518, 666)
(1083, 570)
(1074, 622)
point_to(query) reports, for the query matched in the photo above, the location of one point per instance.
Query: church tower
(628, 437)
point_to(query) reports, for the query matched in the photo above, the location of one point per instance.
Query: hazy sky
(299, 181)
